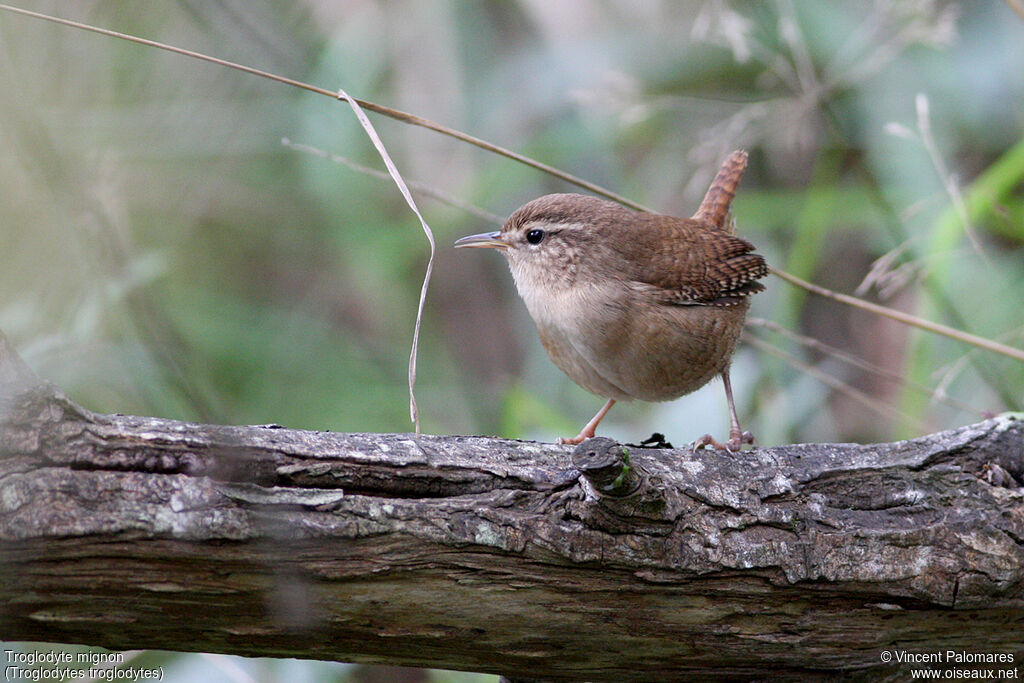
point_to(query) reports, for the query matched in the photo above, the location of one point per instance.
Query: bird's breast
(615, 342)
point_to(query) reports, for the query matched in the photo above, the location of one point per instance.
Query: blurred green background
(164, 254)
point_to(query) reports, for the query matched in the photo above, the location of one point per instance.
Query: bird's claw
(733, 445)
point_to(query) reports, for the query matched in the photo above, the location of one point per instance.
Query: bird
(635, 305)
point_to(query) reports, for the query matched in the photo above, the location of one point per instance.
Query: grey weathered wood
(496, 555)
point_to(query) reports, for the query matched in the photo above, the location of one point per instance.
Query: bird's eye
(535, 236)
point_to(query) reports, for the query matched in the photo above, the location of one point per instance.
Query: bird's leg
(588, 429)
(737, 437)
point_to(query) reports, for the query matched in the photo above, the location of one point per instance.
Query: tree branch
(526, 559)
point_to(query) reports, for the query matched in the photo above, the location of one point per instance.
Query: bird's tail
(715, 207)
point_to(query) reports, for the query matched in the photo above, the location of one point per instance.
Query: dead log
(531, 560)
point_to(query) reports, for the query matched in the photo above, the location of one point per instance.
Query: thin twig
(870, 402)
(414, 185)
(803, 65)
(950, 374)
(851, 359)
(900, 316)
(396, 114)
(924, 127)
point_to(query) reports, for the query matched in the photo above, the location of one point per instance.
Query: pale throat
(556, 300)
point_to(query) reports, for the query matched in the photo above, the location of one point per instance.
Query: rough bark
(519, 558)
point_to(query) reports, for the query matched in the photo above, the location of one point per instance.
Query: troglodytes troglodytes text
(635, 305)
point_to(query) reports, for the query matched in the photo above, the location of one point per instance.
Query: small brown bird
(635, 305)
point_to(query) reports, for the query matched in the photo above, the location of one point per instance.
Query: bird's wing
(689, 262)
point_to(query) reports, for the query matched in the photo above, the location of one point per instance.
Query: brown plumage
(714, 208)
(634, 305)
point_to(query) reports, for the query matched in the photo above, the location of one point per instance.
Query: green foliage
(165, 254)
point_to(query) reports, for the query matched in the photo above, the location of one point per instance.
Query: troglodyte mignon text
(635, 305)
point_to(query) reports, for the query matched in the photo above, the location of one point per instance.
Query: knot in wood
(605, 464)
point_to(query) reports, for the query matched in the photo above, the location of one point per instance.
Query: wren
(635, 305)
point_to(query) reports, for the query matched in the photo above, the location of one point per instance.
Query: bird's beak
(485, 239)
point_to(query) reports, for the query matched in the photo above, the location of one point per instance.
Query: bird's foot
(589, 428)
(734, 445)
(575, 440)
